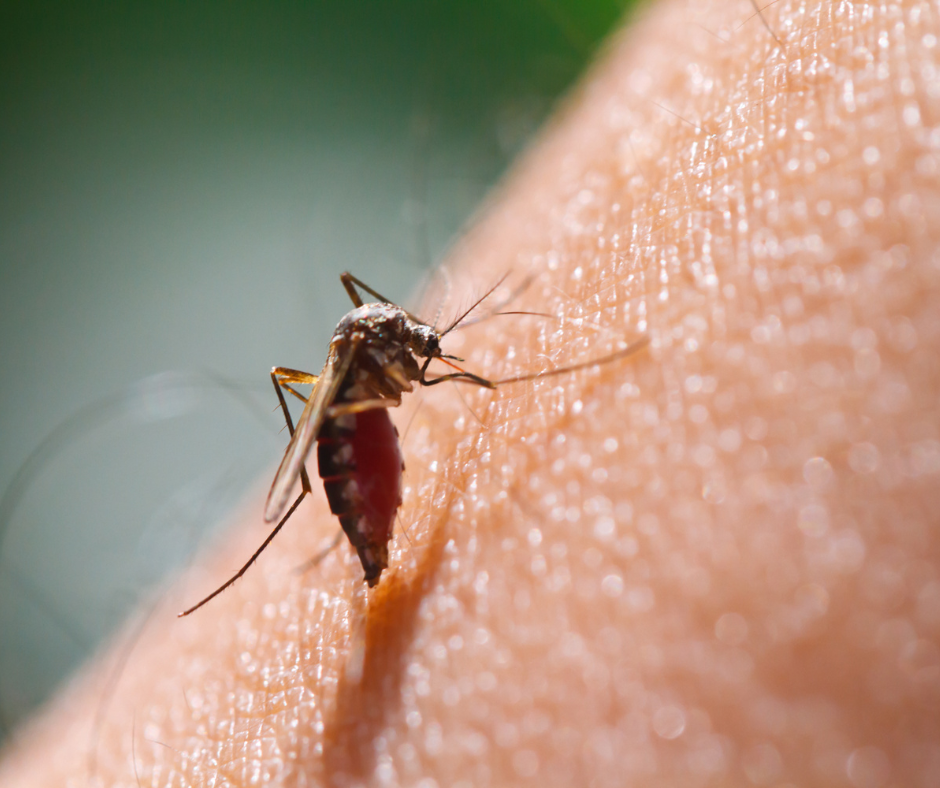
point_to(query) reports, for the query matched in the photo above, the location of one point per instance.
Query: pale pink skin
(716, 564)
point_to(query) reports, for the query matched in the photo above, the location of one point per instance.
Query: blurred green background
(180, 186)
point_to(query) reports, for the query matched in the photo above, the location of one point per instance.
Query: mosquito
(378, 351)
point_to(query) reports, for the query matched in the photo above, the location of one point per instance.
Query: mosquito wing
(308, 427)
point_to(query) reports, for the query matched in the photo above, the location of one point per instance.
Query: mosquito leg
(251, 560)
(298, 377)
(348, 408)
(306, 566)
(277, 374)
(629, 350)
(351, 282)
(294, 375)
(284, 375)
(469, 377)
(462, 376)
(291, 390)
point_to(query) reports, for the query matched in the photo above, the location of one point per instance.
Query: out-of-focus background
(180, 186)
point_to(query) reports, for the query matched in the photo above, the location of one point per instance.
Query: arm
(717, 561)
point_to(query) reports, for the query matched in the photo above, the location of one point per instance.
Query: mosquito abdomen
(361, 467)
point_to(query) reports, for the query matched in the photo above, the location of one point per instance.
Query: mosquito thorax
(371, 320)
(391, 325)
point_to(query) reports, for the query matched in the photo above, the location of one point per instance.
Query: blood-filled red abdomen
(378, 463)
(360, 464)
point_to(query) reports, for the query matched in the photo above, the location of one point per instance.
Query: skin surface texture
(715, 563)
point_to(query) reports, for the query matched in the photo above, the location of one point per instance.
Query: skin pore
(715, 563)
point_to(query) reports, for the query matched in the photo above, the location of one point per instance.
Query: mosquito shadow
(368, 698)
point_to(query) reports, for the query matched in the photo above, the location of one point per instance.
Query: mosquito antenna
(491, 315)
(497, 309)
(476, 303)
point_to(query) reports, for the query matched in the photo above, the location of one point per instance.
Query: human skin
(714, 563)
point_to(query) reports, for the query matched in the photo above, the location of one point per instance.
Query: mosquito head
(424, 340)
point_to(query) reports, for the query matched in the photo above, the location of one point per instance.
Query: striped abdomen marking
(361, 465)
